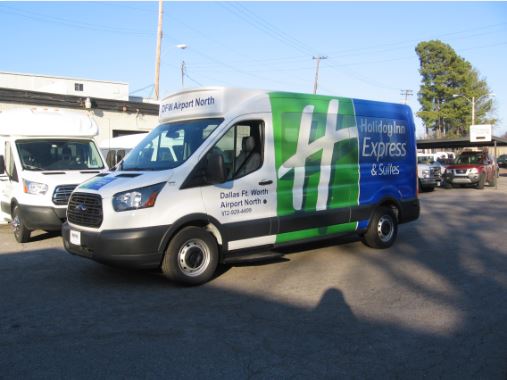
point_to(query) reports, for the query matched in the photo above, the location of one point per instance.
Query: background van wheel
(382, 230)
(21, 233)
(191, 257)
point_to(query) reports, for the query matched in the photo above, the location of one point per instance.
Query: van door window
(10, 166)
(242, 148)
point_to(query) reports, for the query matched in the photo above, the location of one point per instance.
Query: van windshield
(58, 154)
(169, 145)
(474, 158)
(425, 160)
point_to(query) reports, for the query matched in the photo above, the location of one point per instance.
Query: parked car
(472, 168)
(429, 172)
(444, 156)
(502, 161)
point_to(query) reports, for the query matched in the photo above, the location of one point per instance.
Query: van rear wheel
(191, 257)
(382, 230)
(21, 233)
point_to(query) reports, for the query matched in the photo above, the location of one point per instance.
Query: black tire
(425, 189)
(191, 257)
(382, 230)
(480, 184)
(21, 233)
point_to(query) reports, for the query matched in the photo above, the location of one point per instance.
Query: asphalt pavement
(432, 306)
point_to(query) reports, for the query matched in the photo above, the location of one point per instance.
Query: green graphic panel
(343, 189)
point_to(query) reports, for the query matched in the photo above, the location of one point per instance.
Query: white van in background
(44, 155)
(116, 148)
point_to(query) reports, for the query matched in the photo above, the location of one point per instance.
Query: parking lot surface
(434, 305)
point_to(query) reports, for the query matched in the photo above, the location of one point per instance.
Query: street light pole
(472, 101)
(473, 110)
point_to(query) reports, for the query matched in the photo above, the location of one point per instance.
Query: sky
(370, 46)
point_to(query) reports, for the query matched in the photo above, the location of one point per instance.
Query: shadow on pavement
(68, 317)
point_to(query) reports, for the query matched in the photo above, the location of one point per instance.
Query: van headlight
(474, 171)
(142, 197)
(35, 188)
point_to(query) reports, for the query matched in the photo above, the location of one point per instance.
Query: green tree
(449, 87)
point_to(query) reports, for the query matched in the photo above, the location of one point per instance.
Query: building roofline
(60, 77)
(459, 142)
(36, 98)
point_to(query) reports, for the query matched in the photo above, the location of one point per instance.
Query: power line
(265, 27)
(71, 23)
(151, 85)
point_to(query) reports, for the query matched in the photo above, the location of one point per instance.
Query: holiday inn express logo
(316, 152)
(307, 148)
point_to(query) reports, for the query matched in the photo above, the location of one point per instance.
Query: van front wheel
(21, 233)
(382, 230)
(191, 257)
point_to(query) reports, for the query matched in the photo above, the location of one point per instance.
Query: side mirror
(2, 165)
(215, 171)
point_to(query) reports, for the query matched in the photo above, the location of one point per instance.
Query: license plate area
(75, 237)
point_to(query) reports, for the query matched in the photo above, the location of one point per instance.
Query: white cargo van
(116, 148)
(44, 155)
(248, 171)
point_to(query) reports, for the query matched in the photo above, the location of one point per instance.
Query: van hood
(108, 184)
(58, 178)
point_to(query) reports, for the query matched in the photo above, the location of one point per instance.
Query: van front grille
(85, 209)
(62, 193)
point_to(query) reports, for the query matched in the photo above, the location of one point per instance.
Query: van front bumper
(134, 248)
(42, 218)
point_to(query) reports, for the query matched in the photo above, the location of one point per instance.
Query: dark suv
(472, 168)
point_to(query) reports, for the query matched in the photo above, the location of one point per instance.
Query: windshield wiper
(31, 167)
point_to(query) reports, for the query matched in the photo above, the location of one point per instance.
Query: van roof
(210, 102)
(40, 122)
(204, 102)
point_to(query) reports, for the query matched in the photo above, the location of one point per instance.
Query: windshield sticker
(97, 183)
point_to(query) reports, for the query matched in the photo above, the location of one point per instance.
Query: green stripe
(315, 232)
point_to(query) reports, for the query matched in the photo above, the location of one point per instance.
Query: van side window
(242, 148)
(10, 167)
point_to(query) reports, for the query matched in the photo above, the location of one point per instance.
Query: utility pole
(406, 93)
(183, 69)
(159, 44)
(315, 83)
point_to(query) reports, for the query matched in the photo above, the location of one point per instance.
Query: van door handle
(264, 183)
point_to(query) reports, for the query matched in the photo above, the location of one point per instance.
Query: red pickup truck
(472, 168)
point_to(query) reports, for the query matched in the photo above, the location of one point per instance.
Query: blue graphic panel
(387, 152)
